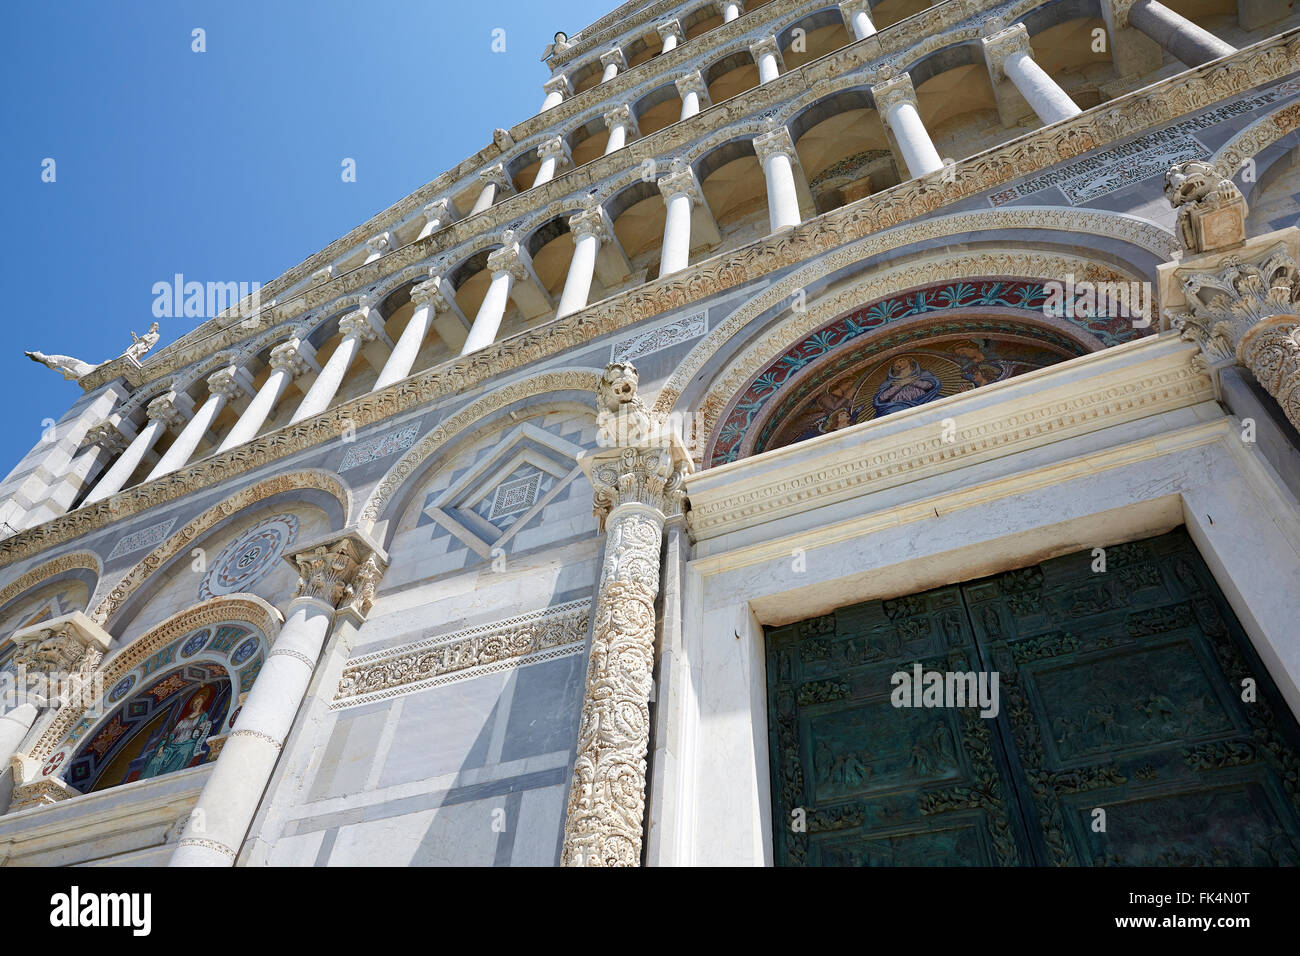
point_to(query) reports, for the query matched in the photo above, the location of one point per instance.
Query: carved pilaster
(636, 490)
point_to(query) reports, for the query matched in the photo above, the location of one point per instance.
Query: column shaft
(14, 725)
(483, 332)
(676, 253)
(182, 449)
(918, 149)
(690, 104)
(611, 71)
(730, 11)
(782, 197)
(229, 800)
(259, 409)
(546, 171)
(768, 68)
(553, 98)
(1049, 101)
(617, 138)
(322, 390)
(486, 198)
(1180, 36)
(862, 25)
(402, 358)
(577, 285)
(126, 464)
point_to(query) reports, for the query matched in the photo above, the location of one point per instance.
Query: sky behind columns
(224, 166)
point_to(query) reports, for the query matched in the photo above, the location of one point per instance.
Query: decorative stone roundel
(250, 557)
(244, 651)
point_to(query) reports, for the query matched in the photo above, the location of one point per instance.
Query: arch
(390, 495)
(823, 32)
(637, 212)
(82, 565)
(331, 487)
(658, 109)
(730, 75)
(68, 726)
(734, 186)
(843, 148)
(589, 140)
(1229, 158)
(701, 20)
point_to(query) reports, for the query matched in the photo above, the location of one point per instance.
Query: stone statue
(1211, 209)
(71, 368)
(621, 416)
(140, 344)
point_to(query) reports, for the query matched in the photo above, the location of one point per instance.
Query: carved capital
(852, 8)
(613, 57)
(558, 84)
(379, 245)
(723, 4)
(622, 116)
(681, 181)
(230, 382)
(71, 644)
(364, 325)
(440, 210)
(173, 409)
(430, 292)
(321, 276)
(1119, 11)
(891, 93)
(343, 572)
(108, 436)
(999, 46)
(670, 28)
(296, 355)
(496, 176)
(510, 258)
(555, 148)
(693, 83)
(774, 142)
(592, 221)
(764, 47)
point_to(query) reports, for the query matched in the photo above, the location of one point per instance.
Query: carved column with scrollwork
(638, 485)
(340, 572)
(1237, 297)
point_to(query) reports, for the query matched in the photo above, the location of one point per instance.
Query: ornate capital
(555, 148)
(321, 276)
(776, 141)
(510, 258)
(622, 116)
(1211, 209)
(440, 210)
(378, 244)
(592, 221)
(999, 46)
(723, 4)
(107, 436)
(613, 57)
(670, 28)
(764, 47)
(681, 181)
(296, 355)
(891, 93)
(229, 382)
(170, 409)
(558, 84)
(693, 83)
(71, 644)
(343, 572)
(364, 325)
(496, 176)
(852, 8)
(430, 292)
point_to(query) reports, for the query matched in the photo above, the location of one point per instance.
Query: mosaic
(250, 557)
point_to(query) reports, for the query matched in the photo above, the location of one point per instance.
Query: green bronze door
(1135, 725)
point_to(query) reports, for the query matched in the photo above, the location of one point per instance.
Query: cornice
(1148, 377)
(1130, 114)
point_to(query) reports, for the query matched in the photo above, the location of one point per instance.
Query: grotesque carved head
(618, 387)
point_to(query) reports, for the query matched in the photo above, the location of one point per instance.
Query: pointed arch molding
(1143, 234)
(244, 608)
(560, 380)
(235, 502)
(76, 561)
(1254, 139)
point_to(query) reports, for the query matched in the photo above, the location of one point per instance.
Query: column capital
(173, 409)
(613, 57)
(296, 355)
(670, 28)
(341, 569)
(496, 176)
(510, 258)
(1119, 11)
(430, 292)
(556, 148)
(379, 245)
(230, 382)
(723, 4)
(693, 82)
(891, 93)
(69, 644)
(558, 84)
(775, 141)
(851, 8)
(681, 181)
(108, 435)
(364, 324)
(999, 46)
(441, 210)
(591, 221)
(622, 116)
(321, 276)
(767, 45)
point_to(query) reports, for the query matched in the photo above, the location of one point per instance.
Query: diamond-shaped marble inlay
(515, 496)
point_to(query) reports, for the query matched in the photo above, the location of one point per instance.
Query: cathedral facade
(824, 434)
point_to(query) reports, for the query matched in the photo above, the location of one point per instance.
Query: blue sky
(223, 165)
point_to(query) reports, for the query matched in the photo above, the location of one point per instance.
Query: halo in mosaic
(250, 557)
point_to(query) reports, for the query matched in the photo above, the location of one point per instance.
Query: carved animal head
(618, 387)
(1190, 181)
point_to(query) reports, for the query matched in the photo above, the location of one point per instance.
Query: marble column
(428, 300)
(358, 328)
(768, 57)
(1174, 32)
(730, 9)
(377, 247)
(171, 410)
(437, 214)
(857, 16)
(670, 32)
(613, 61)
(333, 575)
(224, 385)
(681, 192)
(637, 488)
(776, 153)
(495, 184)
(506, 266)
(1238, 297)
(553, 154)
(1008, 54)
(621, 123)
(896, 103)
(694, 93)
(290, 359)
(557, 90)
(589, 229)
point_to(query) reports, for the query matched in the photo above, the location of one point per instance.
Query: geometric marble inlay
(250, 557)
